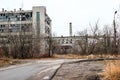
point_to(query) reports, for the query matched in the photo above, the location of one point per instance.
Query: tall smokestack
(70, 27)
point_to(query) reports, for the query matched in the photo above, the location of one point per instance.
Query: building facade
(35, 23)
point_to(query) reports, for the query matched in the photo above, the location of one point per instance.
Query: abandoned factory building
(34, 23)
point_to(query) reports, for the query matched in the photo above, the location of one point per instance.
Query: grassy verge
(112, 70)
(77, 56)
(4, 62)
(68, 56)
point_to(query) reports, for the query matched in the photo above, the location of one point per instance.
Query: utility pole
(115, 34)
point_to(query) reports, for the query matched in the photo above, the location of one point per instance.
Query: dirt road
(80, 71)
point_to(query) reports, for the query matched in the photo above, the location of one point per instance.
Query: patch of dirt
(80, 71)
(9, 62)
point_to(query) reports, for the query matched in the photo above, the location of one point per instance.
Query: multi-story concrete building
(33, 22)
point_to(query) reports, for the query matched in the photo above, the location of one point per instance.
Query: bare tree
(107, 39)
(83, 41)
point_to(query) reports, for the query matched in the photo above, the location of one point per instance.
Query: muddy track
(88, 69)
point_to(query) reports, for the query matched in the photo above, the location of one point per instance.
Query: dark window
(71, 41)
(62, 41)
(31, 14)
(3, 25)
(6, 16)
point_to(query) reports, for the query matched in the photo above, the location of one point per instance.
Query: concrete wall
(42, 25)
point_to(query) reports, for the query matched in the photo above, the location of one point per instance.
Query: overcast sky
(79, 12)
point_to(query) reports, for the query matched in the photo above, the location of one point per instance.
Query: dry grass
(68, 56)
(4, 62)
(77, 56)
(112, 70)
